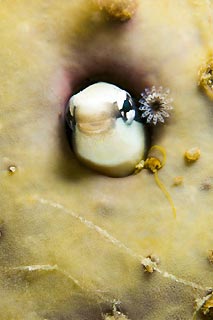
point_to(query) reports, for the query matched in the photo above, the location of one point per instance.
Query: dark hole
(155, 105)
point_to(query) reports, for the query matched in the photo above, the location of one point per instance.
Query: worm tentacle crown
(155, 104)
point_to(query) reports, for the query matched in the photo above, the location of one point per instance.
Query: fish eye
(128, 110)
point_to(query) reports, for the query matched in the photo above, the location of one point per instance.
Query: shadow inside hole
(124, 78)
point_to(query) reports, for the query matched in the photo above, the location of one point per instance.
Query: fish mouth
(96, 127)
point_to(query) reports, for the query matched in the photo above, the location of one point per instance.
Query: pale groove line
(119, 244)
(92, 226)
(36, 267)
(191, 284)
(95, 292)
(46, 267)
(49, 267)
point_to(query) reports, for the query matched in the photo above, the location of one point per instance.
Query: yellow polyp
(162, 187)
(153, 164)
(163, 152)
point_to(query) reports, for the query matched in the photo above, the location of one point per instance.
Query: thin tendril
(163, 152)
(163, 189)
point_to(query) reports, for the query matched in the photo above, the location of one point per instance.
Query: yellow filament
(154, 165)
(163, 189)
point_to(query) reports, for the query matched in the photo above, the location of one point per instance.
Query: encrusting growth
(12, 169)
(116, 314)
(205, 77)
(150, 263)
(205, 305)
(208, 306)
(210, 256)
(120, 10)
(192, 155)
(177, 181)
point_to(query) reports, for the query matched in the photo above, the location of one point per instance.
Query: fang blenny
(104, 134)
(155, 105)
